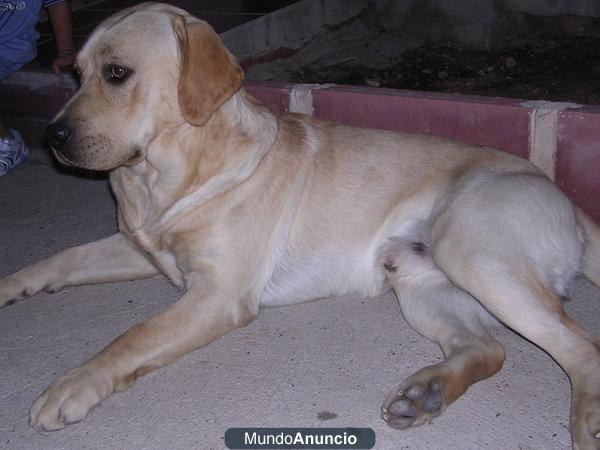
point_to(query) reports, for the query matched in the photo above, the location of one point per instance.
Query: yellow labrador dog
(245, 209)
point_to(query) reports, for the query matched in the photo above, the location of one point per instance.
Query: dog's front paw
(69, 399)
(11, 289)
(26, 283)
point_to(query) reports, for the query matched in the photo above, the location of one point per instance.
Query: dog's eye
(116, 74)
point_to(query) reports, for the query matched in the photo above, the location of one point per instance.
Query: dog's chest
(164, 259)
(138, 222)
(155, 244)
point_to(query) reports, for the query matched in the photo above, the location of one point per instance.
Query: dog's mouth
(136, 158)
(62, 158)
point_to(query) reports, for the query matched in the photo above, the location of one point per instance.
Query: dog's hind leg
(521, 301)
(446, 315)
(513, 242)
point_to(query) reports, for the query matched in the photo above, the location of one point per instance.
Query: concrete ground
(287, 368)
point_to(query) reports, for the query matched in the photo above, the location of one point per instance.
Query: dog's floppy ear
(209, 73)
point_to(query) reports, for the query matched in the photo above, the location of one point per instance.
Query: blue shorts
(7, 68)
(18, 35)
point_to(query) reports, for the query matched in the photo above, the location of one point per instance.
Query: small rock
(510, 62)
(443, 74)
(326, 415)
(372, 82)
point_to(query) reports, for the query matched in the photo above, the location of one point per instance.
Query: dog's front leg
(198, 318)
(115, 258)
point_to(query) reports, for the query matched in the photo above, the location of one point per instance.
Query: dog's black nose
(57, 134)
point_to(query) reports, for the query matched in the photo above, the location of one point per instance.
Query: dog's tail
(591, 252)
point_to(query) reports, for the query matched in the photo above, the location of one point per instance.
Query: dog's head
(144, 70)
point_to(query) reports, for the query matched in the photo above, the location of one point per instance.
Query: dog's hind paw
(413, 403)
(585, 423)
(414, 406)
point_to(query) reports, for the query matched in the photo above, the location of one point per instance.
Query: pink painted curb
(578, 158)
(496, 123)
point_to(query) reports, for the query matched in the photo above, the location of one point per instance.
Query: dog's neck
(186, 166)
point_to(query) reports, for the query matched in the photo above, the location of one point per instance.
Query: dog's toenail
(390, 267)
(418, 247)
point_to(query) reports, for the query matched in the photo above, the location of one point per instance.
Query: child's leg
(13, 150)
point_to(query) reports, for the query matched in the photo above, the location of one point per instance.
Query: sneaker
(13, 151)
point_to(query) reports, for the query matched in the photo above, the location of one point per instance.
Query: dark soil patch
(549, 67)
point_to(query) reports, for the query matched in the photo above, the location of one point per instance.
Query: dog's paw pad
(413, 405)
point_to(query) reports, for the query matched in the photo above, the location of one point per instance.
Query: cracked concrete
(325, 364)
